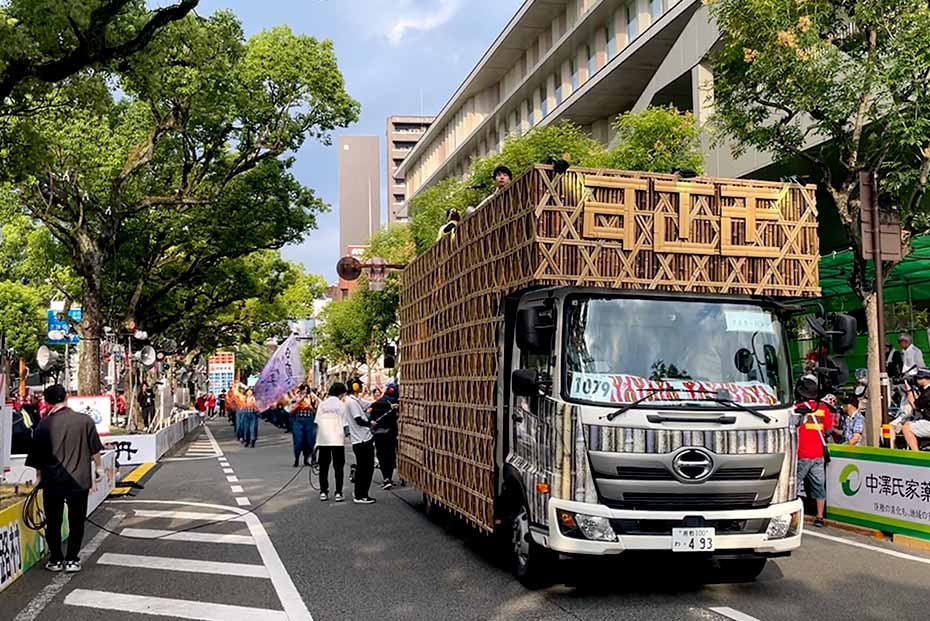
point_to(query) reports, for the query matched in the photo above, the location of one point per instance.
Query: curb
(903, 541)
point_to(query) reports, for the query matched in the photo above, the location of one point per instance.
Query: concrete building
(581, 60)
(403, 133)
(359, 190)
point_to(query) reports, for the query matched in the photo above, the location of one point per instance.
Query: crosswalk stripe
(242, 501)
(232, 479)
(166, 607)
(236, 489)
(188, 515)
(227, 470)
(170, 535)
(184, 564)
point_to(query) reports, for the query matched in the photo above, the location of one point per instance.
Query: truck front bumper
(748, 543)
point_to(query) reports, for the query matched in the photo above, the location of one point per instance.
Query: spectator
(816, 421)
(363, 444)
(919, 424)
(894, 362)
(146, 404)
(854, 421)
(65, 445)
(331, 439)
(913, 358)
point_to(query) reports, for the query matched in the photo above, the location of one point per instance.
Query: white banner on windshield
(604, 388)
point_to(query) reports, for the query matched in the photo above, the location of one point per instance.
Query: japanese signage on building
(884, 489)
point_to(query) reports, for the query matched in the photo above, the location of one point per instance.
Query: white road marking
(170, 535)
(294, 606)
(242, 501)
(183, 564)
(236, 489)
(865, 546)
(41, 600)
(213, 442)
(180, 608)
(736, 615)
(232, 479)
(186, 515)
(227, 471)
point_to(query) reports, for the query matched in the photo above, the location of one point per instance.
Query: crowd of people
(321, 423)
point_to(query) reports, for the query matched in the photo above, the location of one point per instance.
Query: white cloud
(416, 16)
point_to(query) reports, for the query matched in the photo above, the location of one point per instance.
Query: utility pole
(868, 196)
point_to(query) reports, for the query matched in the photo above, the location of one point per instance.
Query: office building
(586, 61)
(359, 190)
(403, 133)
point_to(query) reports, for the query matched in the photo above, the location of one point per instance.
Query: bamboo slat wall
(593, 228)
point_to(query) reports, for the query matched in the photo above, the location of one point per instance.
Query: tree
(47, 42)
(345, 337)
(658, 139)
(197, 140)
(22, 318)
(842, 88)
(299, 297)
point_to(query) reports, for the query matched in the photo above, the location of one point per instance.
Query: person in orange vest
(816, 421)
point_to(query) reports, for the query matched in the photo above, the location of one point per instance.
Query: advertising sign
(883, 489)
(221, 369)
(59, 330)
(97, 407)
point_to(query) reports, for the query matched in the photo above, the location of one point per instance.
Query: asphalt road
(300, 557)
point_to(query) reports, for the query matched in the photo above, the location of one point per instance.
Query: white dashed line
(242, 501)
(232, 479)
(236, 489)
(227, 470)
(729, 613)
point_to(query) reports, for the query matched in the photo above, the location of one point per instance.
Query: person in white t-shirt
(363, 443)
(331, 434)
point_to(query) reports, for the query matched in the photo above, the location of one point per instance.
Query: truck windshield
(681, 352)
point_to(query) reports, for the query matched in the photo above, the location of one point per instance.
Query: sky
(397, 57)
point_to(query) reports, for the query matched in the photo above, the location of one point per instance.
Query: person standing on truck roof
(503, 177)
(331, 422)
(363, 444)
(815, 422)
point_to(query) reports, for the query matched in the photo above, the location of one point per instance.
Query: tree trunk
(874, 414)
(91, 332)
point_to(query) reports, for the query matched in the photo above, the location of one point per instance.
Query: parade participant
(383, 414)
(815, 422)
(147, 404)
(211, 405)
(363, 444)
(503, 177)
(65, 444)
(303, 424)
(919, 425)
(249, 410)
(331, 439)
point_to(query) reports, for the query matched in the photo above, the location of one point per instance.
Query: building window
(655, 9)
(557, 79)
(632, 28)
(543, 101)
(611, 39)
(592, 61)
(530, 117)
(573, 71)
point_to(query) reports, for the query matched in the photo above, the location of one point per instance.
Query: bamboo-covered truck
(596, 362)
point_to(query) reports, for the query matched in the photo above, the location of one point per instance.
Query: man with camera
(919, 424)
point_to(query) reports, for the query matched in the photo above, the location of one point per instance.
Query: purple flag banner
(283, 372)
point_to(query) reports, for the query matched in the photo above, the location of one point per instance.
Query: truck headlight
(785, 525)
(593, 527)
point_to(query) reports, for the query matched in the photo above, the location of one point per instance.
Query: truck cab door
(531, 354)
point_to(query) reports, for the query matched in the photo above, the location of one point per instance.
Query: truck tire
(531, 563)
(741, 570)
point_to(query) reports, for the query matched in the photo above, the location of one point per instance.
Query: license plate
(693, 539)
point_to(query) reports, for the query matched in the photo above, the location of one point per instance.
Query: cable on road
(198, 526)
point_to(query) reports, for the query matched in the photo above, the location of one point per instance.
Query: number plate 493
(693, 539)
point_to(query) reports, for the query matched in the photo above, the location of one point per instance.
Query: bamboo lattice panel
(592, 228)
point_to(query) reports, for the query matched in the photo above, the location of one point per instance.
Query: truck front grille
(681, 502)
(635, 473)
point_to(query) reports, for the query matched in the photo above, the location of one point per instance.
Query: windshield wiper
(739, 406)
(625, 408)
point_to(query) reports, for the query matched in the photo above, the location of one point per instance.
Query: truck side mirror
(525, 383)
(534, 329)
(844, 332)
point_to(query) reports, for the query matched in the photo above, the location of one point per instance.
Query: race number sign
(611, 389)
(97, 407)
(879, 488)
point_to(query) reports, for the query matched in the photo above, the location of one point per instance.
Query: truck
(595, 362)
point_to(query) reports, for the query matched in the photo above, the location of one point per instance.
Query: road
(297, 558)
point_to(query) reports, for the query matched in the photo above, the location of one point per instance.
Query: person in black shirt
(919, 425)
(383, 414)
(65, 443)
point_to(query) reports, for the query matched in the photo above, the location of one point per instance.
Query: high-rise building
(584, 61)
(403, 133)
(359, 190)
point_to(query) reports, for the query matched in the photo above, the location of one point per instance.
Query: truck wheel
(531, 563)
(741, 570)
